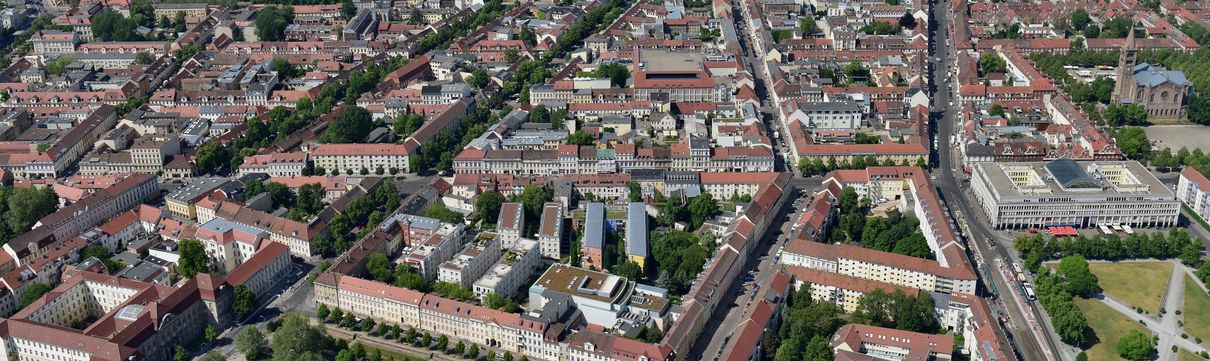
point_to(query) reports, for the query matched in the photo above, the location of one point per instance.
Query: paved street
(1031, 341)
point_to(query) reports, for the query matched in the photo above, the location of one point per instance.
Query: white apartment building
(469, 265)
(885, 267)
(511, 271)
(429, 253)
(829, 115)
(1069, 193)
(275, 164)
(550, 233)
(1193, 189)
(352, 158)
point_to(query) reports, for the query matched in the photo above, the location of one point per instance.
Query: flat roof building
(1064, 192)
(636, 233)
(594, 236)
(550, 233)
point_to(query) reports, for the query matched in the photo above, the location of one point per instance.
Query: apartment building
(88, 212)
(828, 115)
(274, 164)
(261, 271)
(1193, 189)
(511, 223)
(429, 254)
(123, 320)
(689, 155)
(1064, 192)
(636, 233)
(183, 201)
(469, 265)
(295, 235)
(550, 232)
(885, 267)
(841, 290)
(515, 267)
(50, 42)
(229, 244)
(888, 343)
(593, 238)
(352, 158)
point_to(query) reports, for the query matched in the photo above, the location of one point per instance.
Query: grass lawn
(1197, 311)
(1139, 284)
(1109, 325)
(1184, 355)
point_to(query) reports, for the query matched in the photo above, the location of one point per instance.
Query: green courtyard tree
(193, 258)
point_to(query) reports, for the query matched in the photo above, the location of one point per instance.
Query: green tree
(379, 267)
(33, 292)
(406, 124)
(539, 115)
(1080, 19)
(818, 350)
(1135, 346)
(478, 78)
(992, 63)
(443, 342)
(322, 312)
(351, 125)
(212, 158)
(181, 354)
(27, 205)
(1133, 142)
(996, 110)
(250, 342)
(702, 208)
(1080, 281)
(109, 25)
(581, 138)
(347, 9)
(245, 301)
(271, 22)
(488, 206)
(296, 337)
(193, 259)
(473, 352)
(213, 355)
(210, 333)
(807, 25)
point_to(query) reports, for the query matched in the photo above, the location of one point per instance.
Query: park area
(1109, 326)
(1138, 284)
(1197, 310)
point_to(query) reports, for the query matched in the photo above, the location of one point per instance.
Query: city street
(1032, 342)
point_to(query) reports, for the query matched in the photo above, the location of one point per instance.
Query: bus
(1029, 291)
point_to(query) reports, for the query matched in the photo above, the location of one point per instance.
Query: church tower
(1126, 61)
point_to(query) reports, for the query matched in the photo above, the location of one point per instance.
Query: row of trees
(814, 165)
(410, 336)
(1055, 292)
(1175, 244)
